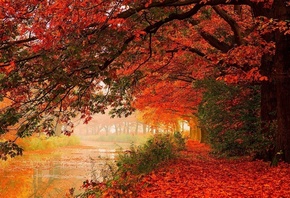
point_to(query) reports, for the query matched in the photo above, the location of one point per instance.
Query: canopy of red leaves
(200, 175)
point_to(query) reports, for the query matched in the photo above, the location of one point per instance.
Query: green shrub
(179, 140)
(145, 158)
(231, 115)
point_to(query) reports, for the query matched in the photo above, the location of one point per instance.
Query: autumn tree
(165, 102)
(248, 45)
(56, 56)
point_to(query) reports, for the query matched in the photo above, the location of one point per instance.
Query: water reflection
(39, 175)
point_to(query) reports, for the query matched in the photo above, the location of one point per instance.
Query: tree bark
(204, 135)
(268, 117)
(277, 90)
(282, 77)
(283, 118)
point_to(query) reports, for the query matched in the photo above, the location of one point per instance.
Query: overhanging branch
(17, 42)
(234, 26)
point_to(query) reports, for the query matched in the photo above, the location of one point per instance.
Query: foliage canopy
(63, 58)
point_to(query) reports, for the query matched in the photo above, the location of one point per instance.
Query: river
(51, 173)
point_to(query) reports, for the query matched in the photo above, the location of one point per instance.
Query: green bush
(231, 115)
(179, 140)
(145, 158)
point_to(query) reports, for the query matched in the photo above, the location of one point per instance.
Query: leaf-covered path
(199, 175)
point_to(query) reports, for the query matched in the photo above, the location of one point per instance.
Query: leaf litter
(197, 174)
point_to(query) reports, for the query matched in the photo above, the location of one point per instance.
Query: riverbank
(51, 172)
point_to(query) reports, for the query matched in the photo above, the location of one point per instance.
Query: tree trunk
(136, 127)
(182, 126)
(204, 135)
(128, 128)
(268, 117)
(283, 117)
(194, 131)
(282, 76)
(124, 127)
(280, 71)
(107, 129)
(144, 127)
(176, 126)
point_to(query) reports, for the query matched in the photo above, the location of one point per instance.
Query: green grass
(43, 142)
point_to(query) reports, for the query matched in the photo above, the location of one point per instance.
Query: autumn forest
(220, 66)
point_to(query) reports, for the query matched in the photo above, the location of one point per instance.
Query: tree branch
(167, 3)
(109, 61)
(213, 41)
(153, 28)
(17, 42)
(234, 26)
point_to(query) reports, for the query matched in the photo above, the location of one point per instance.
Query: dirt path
(196, 174)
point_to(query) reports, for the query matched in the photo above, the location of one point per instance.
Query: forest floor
(197, 174)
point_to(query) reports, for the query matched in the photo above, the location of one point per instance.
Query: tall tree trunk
(282, 76)
(280, 72)
(268, 117)
(282, 66)
(283, 117)
(268, 97)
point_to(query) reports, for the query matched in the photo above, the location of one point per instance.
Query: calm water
(43, 174)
